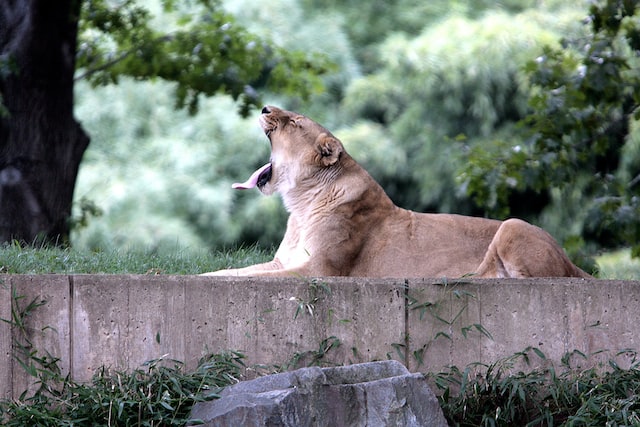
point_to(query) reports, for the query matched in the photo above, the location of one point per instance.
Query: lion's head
(301, 150)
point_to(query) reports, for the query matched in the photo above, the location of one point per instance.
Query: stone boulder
(367, 394)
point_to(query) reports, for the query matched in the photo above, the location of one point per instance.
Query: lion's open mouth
(259, 178)
(262, 176)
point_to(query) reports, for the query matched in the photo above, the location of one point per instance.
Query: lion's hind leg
(520, 250)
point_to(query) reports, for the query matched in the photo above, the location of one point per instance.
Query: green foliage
(455, 84)
(582, 134)
(200, 48)
(87, 209)
(315, 357)
(619, 265)
(161, 393)
(502, 395)
(447, 309)
(163, 178)
(370, 23)
(295, 28)
(307, 305)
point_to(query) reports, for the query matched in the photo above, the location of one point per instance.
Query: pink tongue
(253, 179)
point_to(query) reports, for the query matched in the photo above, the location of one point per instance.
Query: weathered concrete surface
(121, 321)
(556, 316)
(369, 394)
(46, 326)
(6, 370)
(135, 318)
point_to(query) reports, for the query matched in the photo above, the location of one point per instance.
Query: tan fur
(342, 223)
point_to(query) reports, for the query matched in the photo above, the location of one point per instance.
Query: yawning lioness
(342, 223)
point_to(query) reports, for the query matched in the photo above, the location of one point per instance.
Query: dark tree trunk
(41, 143)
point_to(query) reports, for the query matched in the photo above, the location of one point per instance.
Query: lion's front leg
(278, 263)
(277, 269)
(252, 270)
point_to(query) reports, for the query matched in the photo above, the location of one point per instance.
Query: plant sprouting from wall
(452, 297)
(160, 393)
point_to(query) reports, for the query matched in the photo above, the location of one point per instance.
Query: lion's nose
(266, 110)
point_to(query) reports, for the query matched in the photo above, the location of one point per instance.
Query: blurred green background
(429, 97)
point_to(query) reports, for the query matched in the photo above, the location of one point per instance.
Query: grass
(499, 395)
(619, 265)
(18, 260)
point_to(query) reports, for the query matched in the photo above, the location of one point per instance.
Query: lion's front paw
(221, 273)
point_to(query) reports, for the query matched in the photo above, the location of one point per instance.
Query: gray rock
(369, 394)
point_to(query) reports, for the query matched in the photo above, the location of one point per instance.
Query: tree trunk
(41, 143)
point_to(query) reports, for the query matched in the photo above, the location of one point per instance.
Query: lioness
(342, 223)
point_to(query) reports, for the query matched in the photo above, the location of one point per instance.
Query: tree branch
(102, 67)
(123, 56)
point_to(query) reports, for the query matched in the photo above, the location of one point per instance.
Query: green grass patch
(501, 395)
(20, 260)
(619, 265)
(26, 260)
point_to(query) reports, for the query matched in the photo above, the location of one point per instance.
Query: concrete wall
(121, 321)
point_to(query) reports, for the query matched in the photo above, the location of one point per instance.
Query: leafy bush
(196, 45)
(453, 86)
(581, 146)
(501, 395)
(161, 393)
(163, 178)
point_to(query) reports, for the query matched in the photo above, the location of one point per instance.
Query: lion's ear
(329, 148)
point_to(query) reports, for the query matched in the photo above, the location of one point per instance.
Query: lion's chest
(295, 249)
(294, 255)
